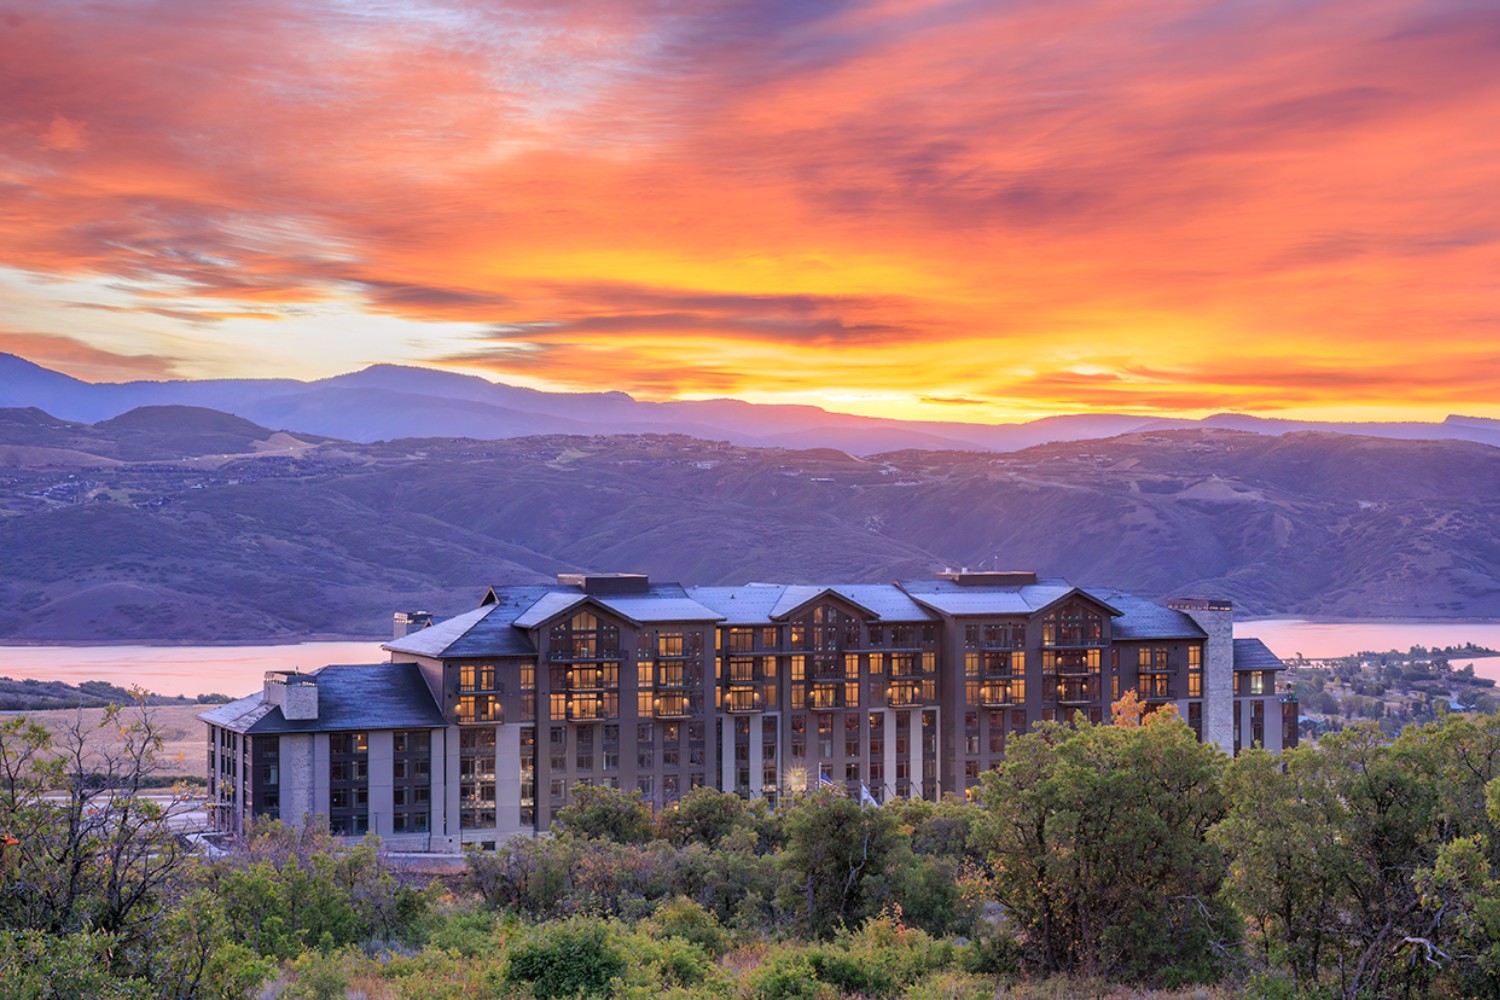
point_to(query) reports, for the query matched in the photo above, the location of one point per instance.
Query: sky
(977, 211)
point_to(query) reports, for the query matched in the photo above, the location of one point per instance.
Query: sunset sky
(969, 210)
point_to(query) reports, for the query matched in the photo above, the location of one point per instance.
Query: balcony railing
(825, 698)
(742, 700)
(584, 655)
(1076, 694)
(595, 679)
(1156, 692)
(905, 696)
(672, 707)
(999, 696)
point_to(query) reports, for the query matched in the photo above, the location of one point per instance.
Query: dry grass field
(184, 753)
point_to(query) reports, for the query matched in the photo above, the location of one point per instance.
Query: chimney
(294, 693)
(407, 622)
(1217, 619)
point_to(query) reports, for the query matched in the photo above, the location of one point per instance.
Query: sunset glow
(927, 210)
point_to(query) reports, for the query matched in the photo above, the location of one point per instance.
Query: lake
(188, 670)
(237, 670)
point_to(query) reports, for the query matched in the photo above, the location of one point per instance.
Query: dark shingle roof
(485, 631)
(1252, 654)
(954, 598)
(748, 605)
(374, 696)
(1143, 619)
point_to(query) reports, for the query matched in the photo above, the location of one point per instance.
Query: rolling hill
(385, 402)
(329, 537)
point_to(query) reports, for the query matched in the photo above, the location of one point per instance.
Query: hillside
(330, 539)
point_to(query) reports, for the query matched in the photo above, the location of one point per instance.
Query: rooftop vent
(990, 578)
(1199, 604)
(606, 583)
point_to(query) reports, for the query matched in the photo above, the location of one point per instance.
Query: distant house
(480, 726)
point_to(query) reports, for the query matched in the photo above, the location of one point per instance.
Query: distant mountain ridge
(180, 523)
(386, 402)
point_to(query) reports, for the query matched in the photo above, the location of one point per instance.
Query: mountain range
(384, 402)
(174, 522)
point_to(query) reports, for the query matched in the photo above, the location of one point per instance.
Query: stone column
(1216, 618)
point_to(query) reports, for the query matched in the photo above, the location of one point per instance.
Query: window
(1073, 625)
(411, 772)
(476, 778)
(348, 787)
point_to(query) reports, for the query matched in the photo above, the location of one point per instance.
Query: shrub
(567, 959)
(682, 918)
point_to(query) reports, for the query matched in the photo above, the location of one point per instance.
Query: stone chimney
(407, 622)
(1217, 619)
(294, 693)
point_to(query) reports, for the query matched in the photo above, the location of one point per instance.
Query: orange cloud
(975, 209)
(84, 360)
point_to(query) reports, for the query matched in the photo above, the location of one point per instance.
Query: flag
(824, 781)
(865, 798)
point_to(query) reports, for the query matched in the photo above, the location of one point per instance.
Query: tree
(705, 816)
(835, 851)
(84, 848)
(607, 814)
(1368, 865)
(1097, 844)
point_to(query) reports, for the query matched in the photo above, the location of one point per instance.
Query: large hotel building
(479, 726)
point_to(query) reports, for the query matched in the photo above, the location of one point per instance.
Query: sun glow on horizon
(887, 210)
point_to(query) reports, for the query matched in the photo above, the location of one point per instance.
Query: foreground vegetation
(1126, 854)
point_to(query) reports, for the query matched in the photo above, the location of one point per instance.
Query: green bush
(570, 958)
(685, 919)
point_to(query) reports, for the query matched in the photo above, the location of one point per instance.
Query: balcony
(672, 706)
(906, 696)
(1156, 692)
(584, 654)
(593, 679)
(742, 701)
(825, 697)
(908, 666)
(1000, 696)
(478, 709)
(1076, 694)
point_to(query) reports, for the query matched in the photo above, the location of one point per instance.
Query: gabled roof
(953, 598)
(748, 605)
(1143, 619)
(549, 606)
(485, 631)
(666, 602)
(798, 596)
(1252, 654)
(350, 698)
